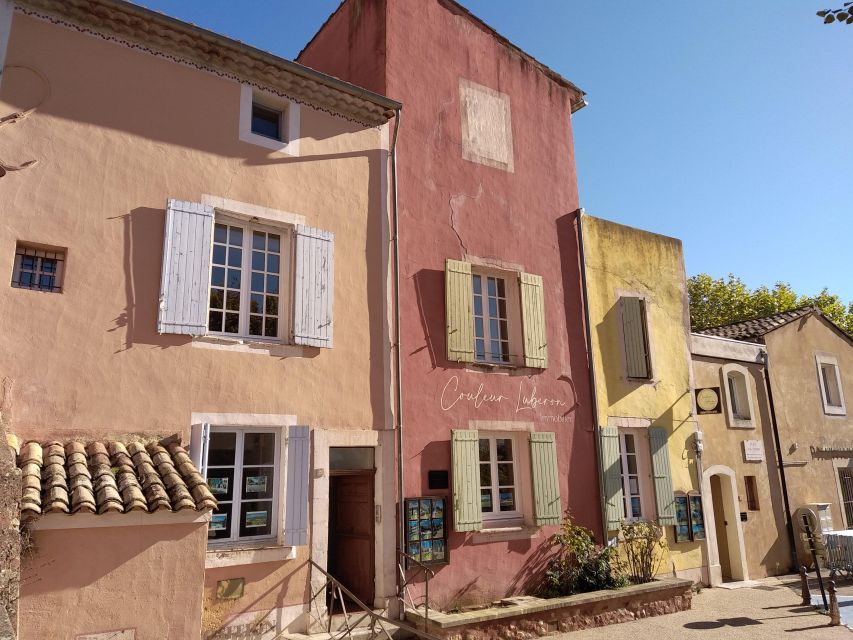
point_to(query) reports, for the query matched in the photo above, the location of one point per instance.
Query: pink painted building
(497, 431)
(193, 354)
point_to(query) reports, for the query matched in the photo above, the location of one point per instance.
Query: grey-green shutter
(546, 482)
(614, 498)
(634, 333)
(467, 512)
(664, 493)
(459, 311)
(533, 320)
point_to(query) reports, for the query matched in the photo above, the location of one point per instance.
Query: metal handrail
(428, 573)
(338, 591)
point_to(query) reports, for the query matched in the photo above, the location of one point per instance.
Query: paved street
(770, 610)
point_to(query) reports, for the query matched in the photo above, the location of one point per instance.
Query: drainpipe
(591, 360)
(775, 427)
(398, 363)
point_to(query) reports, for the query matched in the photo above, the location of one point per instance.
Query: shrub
(643, 546)
(580, 565)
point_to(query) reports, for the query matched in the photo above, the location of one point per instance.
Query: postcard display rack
(426, 533)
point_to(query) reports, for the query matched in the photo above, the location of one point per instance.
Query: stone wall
(529, 617)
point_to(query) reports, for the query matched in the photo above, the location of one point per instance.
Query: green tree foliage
(723, 300)
(844, 15)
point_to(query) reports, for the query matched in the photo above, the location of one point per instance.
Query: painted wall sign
(525, 398)
(708, 400)
(753, 450)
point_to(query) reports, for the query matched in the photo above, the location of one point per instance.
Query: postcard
(414, 530)
(426, 508)
(218, 486)
(256, 519)
(415, 551)
(218, 521)
(256, 484)
(426, 529)
(438, 549)
(438, 527)
(438, 508)
(426, 551)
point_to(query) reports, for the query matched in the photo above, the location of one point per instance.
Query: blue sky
(725, 123)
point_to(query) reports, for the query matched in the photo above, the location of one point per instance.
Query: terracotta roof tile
(757, 327)
(109, 477)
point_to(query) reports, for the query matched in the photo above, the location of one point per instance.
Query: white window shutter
(199, 442)
(313, 293)
(296, 502)
(185, 276)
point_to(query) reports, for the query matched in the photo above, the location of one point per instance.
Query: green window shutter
(664, 493)
(614, 497)
(634, 333)
(533, 320)
(459, 311)
(467, 511)
(546, 484)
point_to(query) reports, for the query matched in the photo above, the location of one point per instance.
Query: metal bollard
(834, 613)
(804, 579)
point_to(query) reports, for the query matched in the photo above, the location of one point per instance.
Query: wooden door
(351, 532)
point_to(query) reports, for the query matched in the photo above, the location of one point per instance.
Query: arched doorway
(726, 553)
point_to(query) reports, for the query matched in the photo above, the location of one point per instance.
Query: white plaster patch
(486, 125)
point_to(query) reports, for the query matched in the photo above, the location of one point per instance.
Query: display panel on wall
(689, 518)
(426, 533)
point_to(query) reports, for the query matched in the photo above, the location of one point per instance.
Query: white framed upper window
(631, 465)
(38, 268)
(269, 121)
(500, 491)
(243, 474)
(250, 276)
(737, 391)
(491, 328)
(635, 337)
(829, 380)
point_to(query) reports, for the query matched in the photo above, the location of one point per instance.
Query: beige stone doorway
(726, 550)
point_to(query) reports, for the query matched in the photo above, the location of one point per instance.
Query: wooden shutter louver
(467, 509)
(664, 493)
(185, 275)
(636, 340)
(546, 481)
(533, 320)
(313, 293)
(614, 497)
(459, 311)
(296, 501)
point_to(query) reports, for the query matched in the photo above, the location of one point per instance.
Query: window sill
(249, 345)
(506, 533)
(741, 424)
(834, 411)
(246, 554)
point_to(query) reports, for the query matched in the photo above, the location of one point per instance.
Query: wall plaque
(753, 450)
(708, 400)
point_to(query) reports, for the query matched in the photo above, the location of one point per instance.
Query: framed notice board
(426, 530)
(689, 517)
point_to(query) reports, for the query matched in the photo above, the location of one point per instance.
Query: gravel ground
(770, 610)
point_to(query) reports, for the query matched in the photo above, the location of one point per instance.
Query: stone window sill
(249, 345)
(236, 556)
(506, 533)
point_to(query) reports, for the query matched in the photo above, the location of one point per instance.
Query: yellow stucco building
(639, 341)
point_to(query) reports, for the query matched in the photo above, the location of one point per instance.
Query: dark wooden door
(351, 532)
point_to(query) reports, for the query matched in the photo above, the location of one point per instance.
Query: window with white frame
(499, 489)
(269, 120)
(38, 268)
(630, 464)
(738, 396)
(831, 390)
(243, 474)
(491, 329)
(248, 280)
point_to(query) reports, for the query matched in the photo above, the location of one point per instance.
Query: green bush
(580, 565)
(644, 547)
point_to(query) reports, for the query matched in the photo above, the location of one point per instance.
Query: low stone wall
(532, 617)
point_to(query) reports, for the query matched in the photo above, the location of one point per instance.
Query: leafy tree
(844, 15)
(724, 300)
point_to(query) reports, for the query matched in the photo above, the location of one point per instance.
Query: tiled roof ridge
(798, 311)
(109, 477)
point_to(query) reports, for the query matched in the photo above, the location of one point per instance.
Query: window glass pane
(507, 499)
(633, 486)
(217, 277)
(501, 288)
(505, 474)
(259, 448)
(486, 500)
(257, 282)
(235, 257)
(26, 279)
(351, 457)
(46, 282)
(478, 327)
(636, 512)
(221, 448)
(478, 285)
(255, 518)
(484, 450)
(221, 482)
(256, 303)
(214, 321)
(258, 482)
(257, 260)
(48, 265)
(492, 287)
(273, 243)
(271, 327)
(216, 298)
(232, 323)
(220, 522)
(493, 307)
(495, 349)
(478, 305)
(629, 443)
(235, 236)
(504, 449)
(272, 284)
(259, 240)
(220, 232)
(272, 305)
(218, 254)
(494, 332)
(485, 475)
(256, 324)
(266, 122)
(234, 278)
(480, 350)
(632, 463)
(232, 301)
(273, 263)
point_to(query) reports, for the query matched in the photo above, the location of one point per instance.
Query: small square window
(38, 268)
(266, 121)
